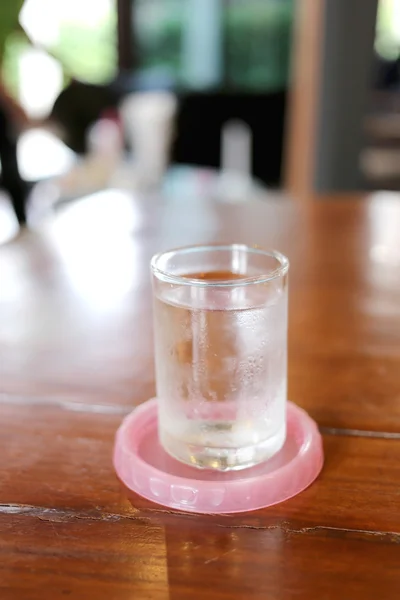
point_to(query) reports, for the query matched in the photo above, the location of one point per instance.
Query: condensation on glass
(220, 323)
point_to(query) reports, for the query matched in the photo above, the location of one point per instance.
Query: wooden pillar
(331, 70)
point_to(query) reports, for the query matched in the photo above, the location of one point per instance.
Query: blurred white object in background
(235, 182)
(40, 82)
(148, 121)
(42, 155)
(43, 19)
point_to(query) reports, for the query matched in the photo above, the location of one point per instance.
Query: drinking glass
(220, 326)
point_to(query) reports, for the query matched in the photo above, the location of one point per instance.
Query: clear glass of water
(220, 326)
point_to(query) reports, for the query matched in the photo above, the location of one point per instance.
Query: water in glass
(221, 371)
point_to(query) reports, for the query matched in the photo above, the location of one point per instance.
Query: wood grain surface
(76, 356)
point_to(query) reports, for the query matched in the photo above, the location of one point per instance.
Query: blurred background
(196, 97)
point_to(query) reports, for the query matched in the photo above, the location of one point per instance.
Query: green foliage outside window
(85, 53)
(88, 54)
(257, 37)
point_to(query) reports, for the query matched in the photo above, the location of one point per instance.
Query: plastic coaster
(145, 468)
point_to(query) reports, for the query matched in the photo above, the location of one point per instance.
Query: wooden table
(76, 355)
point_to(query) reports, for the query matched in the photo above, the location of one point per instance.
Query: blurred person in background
(13, 118)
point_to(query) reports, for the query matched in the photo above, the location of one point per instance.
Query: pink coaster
(145, 468)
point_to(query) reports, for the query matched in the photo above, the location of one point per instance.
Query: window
(206, 44)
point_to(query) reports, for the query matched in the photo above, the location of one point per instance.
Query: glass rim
(166, 276)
